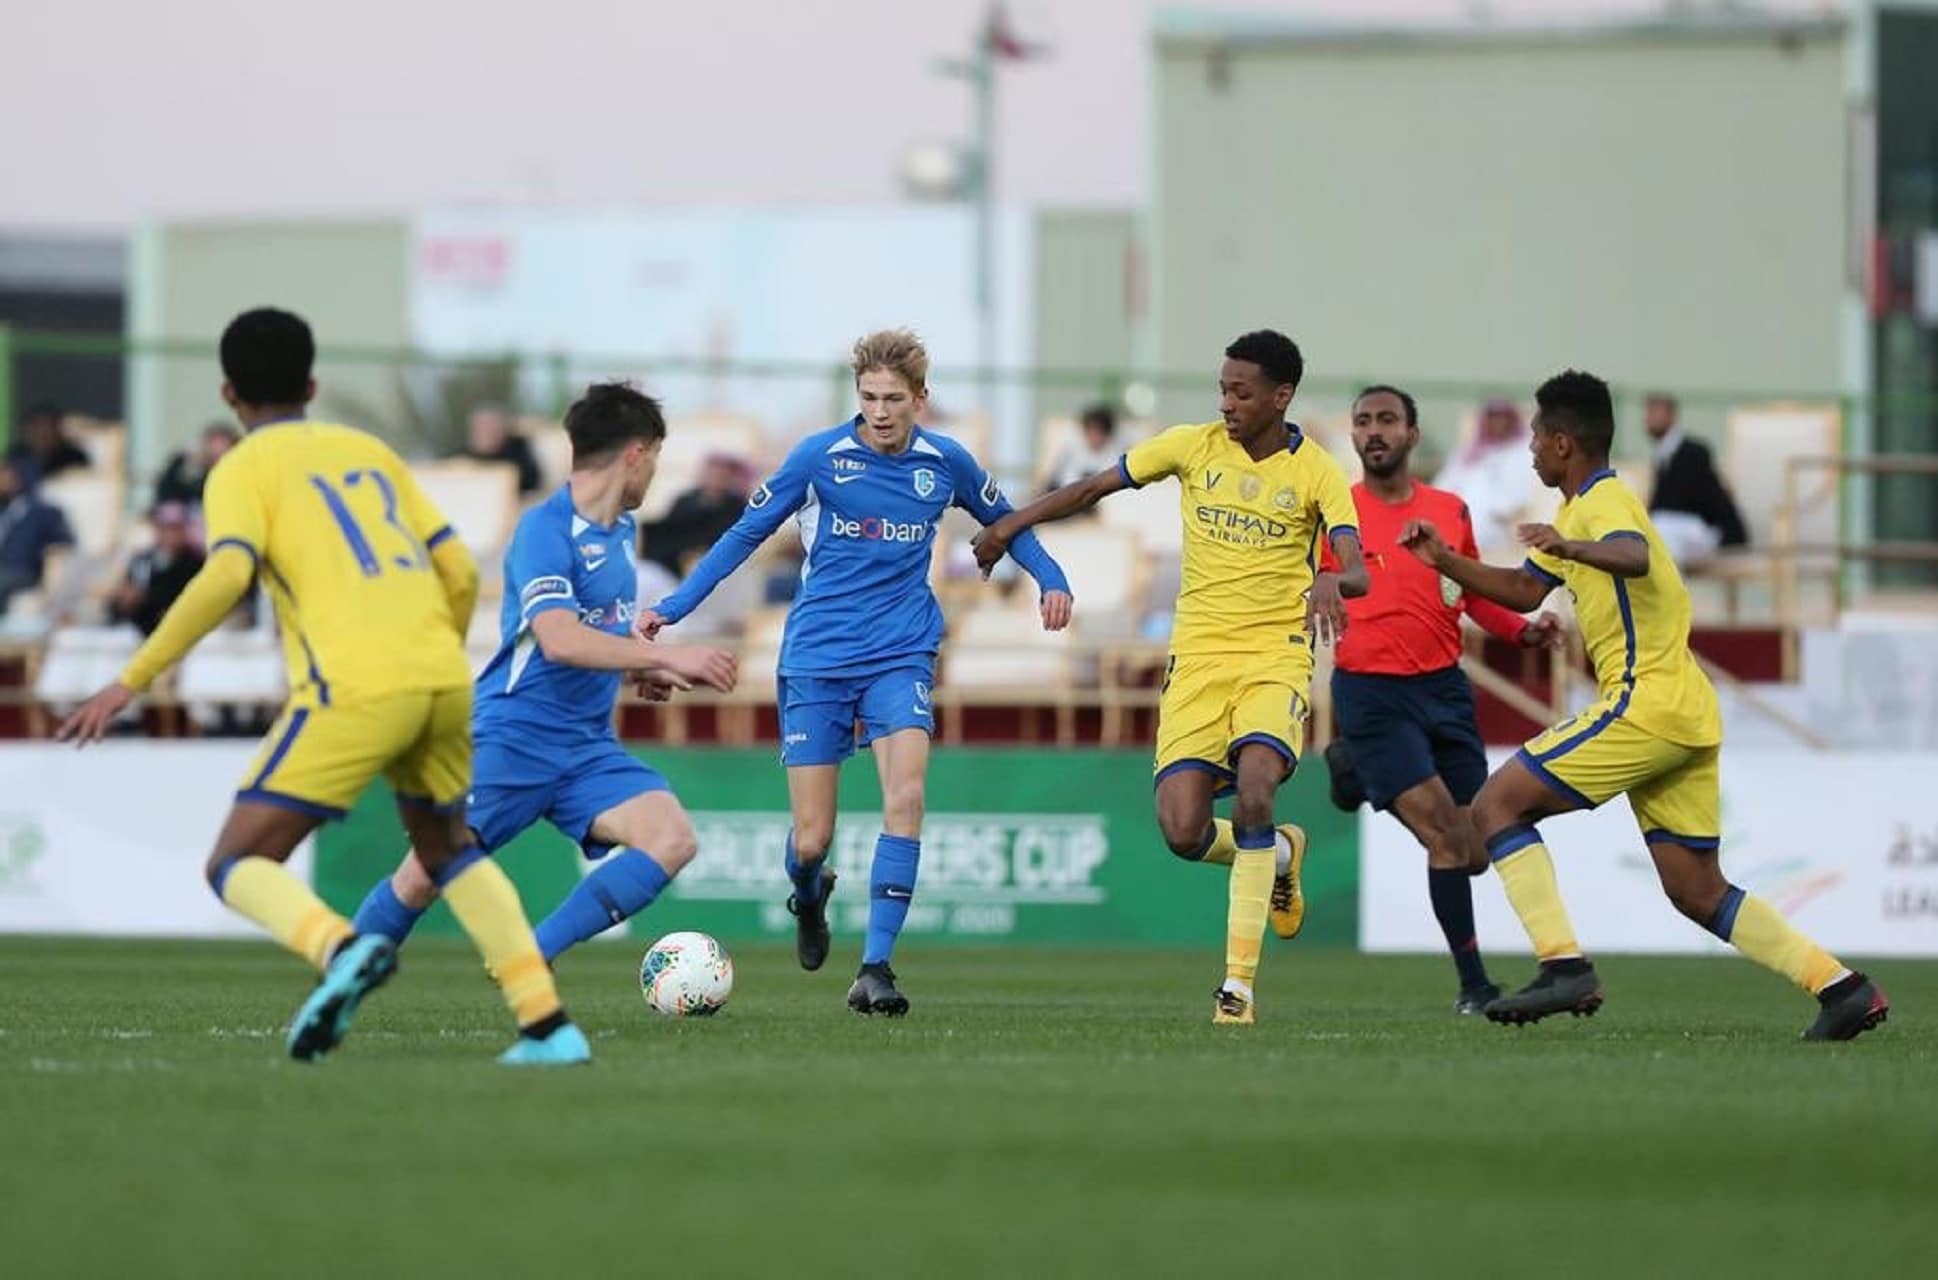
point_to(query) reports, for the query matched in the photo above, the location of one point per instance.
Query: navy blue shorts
(1406, 729)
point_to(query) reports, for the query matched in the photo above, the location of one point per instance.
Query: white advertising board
(114, 839)
(1845, 844)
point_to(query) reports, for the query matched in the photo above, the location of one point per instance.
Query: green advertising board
(1019, 845)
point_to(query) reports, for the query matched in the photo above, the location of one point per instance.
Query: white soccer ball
(686, 975)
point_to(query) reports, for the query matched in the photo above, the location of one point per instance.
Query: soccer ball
(686, 975)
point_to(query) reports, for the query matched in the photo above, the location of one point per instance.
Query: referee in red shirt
(1401, 702)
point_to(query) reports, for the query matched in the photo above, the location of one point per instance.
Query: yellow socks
(1252, 867)
(486, 904)
(1527, 874)
(267, 893)
(1759, 931)
(1223, 846)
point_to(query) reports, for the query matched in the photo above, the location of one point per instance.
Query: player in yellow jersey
(373, 595)
(1255, 497)
(1655, 734)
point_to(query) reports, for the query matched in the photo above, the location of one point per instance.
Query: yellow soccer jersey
(1636, 629)
(341, 535)
(1251, 534)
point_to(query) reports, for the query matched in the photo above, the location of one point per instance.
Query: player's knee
(902, 804)
(1188, 840)
(1491, 814)
(674, 847)
(1695, 894)
(811, 839)
(412, 884)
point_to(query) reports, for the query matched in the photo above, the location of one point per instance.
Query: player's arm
(977, 493)
(1149, 460)
(563, 639)
(238, 527)
(1346, 575)
(1521, 590)
(1498, 620)
(539, 568)
(1325, 614)
(1622, 552)
(777, 499)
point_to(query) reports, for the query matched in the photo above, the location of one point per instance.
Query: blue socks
(382, 914)
(891, 885)
(623, 884)
(806, 878)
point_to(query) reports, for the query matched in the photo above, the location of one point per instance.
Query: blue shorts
(1406, 729)
(579, 783)
(819, 713)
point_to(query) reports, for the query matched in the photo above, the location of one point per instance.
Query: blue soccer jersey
(867, 525)
(527, 707)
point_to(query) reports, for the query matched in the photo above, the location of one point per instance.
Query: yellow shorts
(318, 759)
(1213, 705)
(1676, 791)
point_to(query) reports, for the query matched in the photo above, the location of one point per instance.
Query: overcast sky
(112, 112)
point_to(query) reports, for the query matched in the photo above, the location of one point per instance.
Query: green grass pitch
(1042, 1112)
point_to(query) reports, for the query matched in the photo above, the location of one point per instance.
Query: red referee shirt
(1408, 622)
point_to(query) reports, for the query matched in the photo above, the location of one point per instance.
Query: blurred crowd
(690, 510)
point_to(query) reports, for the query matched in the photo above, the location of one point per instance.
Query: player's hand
(1325, 612)
(1543, 632)
(698, 665)
(91, 719)
(992, 544)
(1424, 541)
(646, 624)
(1544, 538)
(653, 687)
(1056, 610)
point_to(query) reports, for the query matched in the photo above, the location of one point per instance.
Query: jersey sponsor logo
(1212, 478)
(1246, 528)
(548, 588)
(593, 565)
(617, 613)
(1249, 487)
(760, 497)
(876, 529)
(847, 479)
(591, 549)
(992, 492)
(924, 482)
(850, 464)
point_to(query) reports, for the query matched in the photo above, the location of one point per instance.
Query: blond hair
(899, 352)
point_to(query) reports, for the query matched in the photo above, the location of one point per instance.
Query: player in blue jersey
(862, 635)
(543, 720)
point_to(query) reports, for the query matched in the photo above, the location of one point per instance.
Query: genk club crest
(924, 482)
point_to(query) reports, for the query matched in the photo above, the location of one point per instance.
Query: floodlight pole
(979, 69)
(985, 259)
